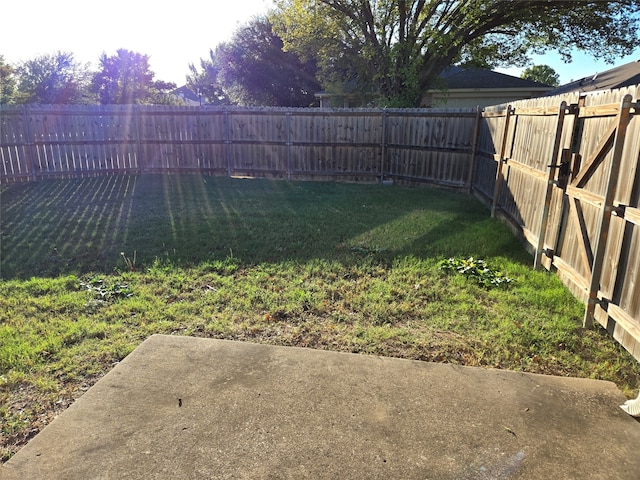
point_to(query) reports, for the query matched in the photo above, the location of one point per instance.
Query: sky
(582, 65)
(172, 34)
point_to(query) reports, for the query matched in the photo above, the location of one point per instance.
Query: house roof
(457, 78)
(186, 94)
(618, 77)
(474, 81)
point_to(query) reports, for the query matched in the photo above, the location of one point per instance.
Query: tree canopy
(543, 74)
(57, 78)
(7, 82)
(252, 69)
(395, 49)
(51, 79)
(126, 78)
(206, 82)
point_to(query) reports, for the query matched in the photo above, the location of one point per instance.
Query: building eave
(488, 90)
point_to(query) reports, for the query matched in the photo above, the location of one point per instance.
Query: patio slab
(191, 408)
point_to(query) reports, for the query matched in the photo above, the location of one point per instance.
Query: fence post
(136, 117)
(288, 125)
(30, 160)
(553, 164)
(227, 140)
(501, 161)
(474, 149)
(622, 120)
(383, 145)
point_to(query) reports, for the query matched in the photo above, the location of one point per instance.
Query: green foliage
(126, 78)
(52, 79)
(57, 78)
(252, 69)
(477, 270)
(543, 74)
(395, 50)
(7, 82)
(317, 32)
(206, 82)
(106, 292)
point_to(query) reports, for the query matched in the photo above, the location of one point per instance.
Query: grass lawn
(91, 267)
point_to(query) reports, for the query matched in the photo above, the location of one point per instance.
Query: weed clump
(104, 292)
(477, 270)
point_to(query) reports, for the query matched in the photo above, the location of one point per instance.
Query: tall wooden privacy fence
(562, 170)
(359, 145)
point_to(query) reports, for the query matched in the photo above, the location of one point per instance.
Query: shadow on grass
(78, 226)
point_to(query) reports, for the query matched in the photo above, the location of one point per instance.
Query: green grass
(91, 267)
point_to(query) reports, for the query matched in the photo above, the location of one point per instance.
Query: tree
(161, 93)
(7, 82)
(253, 69)
(52, 79)
(543, 74)
(205, 83)
(126, 78)
(396, 49)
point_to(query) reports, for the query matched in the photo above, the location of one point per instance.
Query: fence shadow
(62, 226)
(77, 226)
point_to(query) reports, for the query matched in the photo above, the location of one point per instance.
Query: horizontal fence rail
(361, 145)
(562, 170)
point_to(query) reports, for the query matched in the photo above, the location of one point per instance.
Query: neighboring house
(618, 77)
(462, 88)
(188, 96)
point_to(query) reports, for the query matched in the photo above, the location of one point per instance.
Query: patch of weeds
(476, 269)
(103, 292)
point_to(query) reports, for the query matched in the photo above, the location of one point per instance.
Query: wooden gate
(575, 199)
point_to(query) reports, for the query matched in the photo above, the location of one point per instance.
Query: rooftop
(461, 78)
(618, 77)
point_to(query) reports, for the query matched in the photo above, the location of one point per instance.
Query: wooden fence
(562, 170)
(360, 145)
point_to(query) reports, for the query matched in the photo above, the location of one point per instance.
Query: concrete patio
(191, 408)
